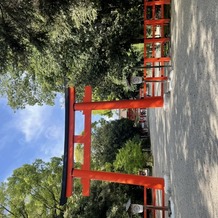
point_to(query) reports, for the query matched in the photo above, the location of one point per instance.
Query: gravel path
(185, 137)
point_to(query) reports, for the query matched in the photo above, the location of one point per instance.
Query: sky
(36, 132)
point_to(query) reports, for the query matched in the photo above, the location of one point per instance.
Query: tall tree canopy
(34, 189)
(86, 42)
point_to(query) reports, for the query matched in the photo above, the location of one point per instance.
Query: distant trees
(116, 146)
(108, 138)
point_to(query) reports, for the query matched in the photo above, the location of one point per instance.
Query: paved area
(185, 137)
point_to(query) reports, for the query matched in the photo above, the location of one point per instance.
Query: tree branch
(2, 12)
(5, 208)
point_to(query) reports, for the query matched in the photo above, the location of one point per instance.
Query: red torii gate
(86, 174)
(154, 17)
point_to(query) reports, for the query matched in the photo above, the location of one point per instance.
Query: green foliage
(33, 190)
(3, 201)
(130, 158)
(107, 113)
(87, 42)
(78, 153)
(33, 38)
(105, 200)
(108, 138)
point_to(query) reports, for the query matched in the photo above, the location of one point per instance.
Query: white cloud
(43, 128)
(52, 150)
(37, 132)
(30, 122)
(54, 142)
(54, 132)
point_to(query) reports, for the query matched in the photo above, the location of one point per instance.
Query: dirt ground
(185, 137)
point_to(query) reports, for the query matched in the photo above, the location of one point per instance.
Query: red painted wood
(87, 141)
(146, 181)
(122, 104)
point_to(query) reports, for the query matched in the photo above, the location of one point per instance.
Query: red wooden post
(156, 79)
(154, 201)
(163, 201)
(122, 104)
(87, 141)
(145, 201)
(146, 181)
(155, 20)
(70, 159)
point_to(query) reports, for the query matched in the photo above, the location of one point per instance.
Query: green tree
(105, 200)
(33, 190)
(108, 138)
(110, 55)
(85, 42)
(130, 158)
(33, 35)
(4, 201)
(78, 153)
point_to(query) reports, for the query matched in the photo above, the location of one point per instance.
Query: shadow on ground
(185, 138)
